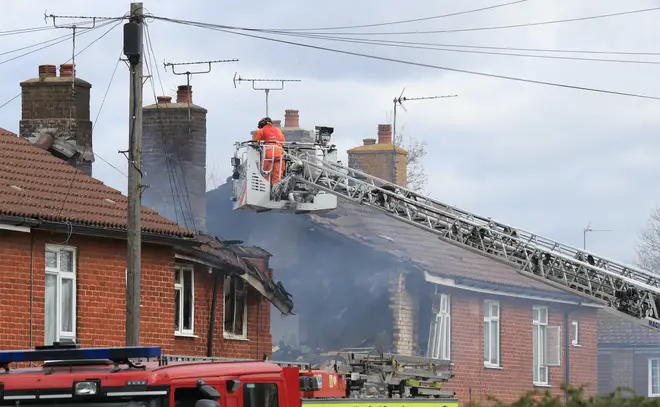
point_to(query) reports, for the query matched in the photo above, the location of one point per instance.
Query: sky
(546, 159)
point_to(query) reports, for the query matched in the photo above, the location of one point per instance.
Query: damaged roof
(237, 257)
(379, 231)
(35, 184)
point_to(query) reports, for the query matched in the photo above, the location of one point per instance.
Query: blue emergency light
(113, 354)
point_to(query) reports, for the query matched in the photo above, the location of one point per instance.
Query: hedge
(620, 398)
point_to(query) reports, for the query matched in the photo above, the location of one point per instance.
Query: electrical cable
(399, 45)
(19, 31)
(172, 169)
(414, 20)
(538, 23)
(67, 37)
(95, 41)
(10, 100)
(75, 174)
(444, 68)
(435, 44)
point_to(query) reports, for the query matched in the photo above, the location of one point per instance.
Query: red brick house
(63, 243)
(399, 288)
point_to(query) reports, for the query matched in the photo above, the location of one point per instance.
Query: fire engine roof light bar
(114, 354)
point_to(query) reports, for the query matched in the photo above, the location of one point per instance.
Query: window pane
(535, 345)
(495, 310)
(66, 261)
(239, 313)
(229, 305)
(50, 310)
(493, 342)
(260, 395)
(187, 300)
(535, 314)
(177, 310)
(486, 342)
(51, 259)
(486, 310)
(67, 305)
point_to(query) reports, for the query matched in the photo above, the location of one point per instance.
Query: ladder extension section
(624, 290)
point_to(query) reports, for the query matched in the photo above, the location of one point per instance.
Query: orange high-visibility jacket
(269, 134)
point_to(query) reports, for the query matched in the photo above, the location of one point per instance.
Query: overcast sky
(549, 160)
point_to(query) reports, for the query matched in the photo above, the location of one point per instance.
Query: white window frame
(540, 349)
(439, 344)
(657, 368)
(575, 332)
(62, 275)
(232, 335)
(489, 320)
(179, 286)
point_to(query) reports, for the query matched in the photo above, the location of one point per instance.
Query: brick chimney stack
(291, 118)
(173, 145)
(57, 117)
(377, 159)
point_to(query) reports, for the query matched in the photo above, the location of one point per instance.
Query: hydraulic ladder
(628, 291)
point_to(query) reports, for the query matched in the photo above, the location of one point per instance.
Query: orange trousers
(273, 161)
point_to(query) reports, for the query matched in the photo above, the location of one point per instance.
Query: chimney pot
(369, 141)
(277, 123)
(164, 99)
(47, 70)
(66, 70)
(184, 94)
(291, 118)
(384, 134)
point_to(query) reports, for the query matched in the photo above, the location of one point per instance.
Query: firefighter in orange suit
(273, 138)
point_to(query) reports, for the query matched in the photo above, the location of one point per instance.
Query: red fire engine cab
(69, 376)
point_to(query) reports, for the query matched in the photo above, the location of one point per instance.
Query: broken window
(184, 300)
(440, 332)
(235, 291)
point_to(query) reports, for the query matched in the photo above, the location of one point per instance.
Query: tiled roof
(614, 330)
(380, 232)
(36, 184)
(5, 132)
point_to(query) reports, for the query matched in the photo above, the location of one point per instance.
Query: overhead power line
(59, 41)
(19, 31)
(414, 20)
(444, 68)
(471, 46)
(499, 27)
(402, 44)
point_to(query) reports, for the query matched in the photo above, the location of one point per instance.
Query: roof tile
(36, 184)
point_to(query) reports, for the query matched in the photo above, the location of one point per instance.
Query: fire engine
(144, 377)
(313, 179)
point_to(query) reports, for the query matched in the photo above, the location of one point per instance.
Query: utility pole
(237, 78)
(189, 73)
(587, 230)
(399, 101)
(133, 49)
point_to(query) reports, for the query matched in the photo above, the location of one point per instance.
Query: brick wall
(168, 132)
(515, 377)
(50, 102)
(378, 159)
(101, 299)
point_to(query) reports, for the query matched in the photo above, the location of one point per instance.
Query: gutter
(451, 282)
(96, 231)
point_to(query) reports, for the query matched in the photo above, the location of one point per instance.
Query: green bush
(619, 398)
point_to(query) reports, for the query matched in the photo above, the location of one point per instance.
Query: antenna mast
(399, 101)
(188, 73)
(237, 78)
